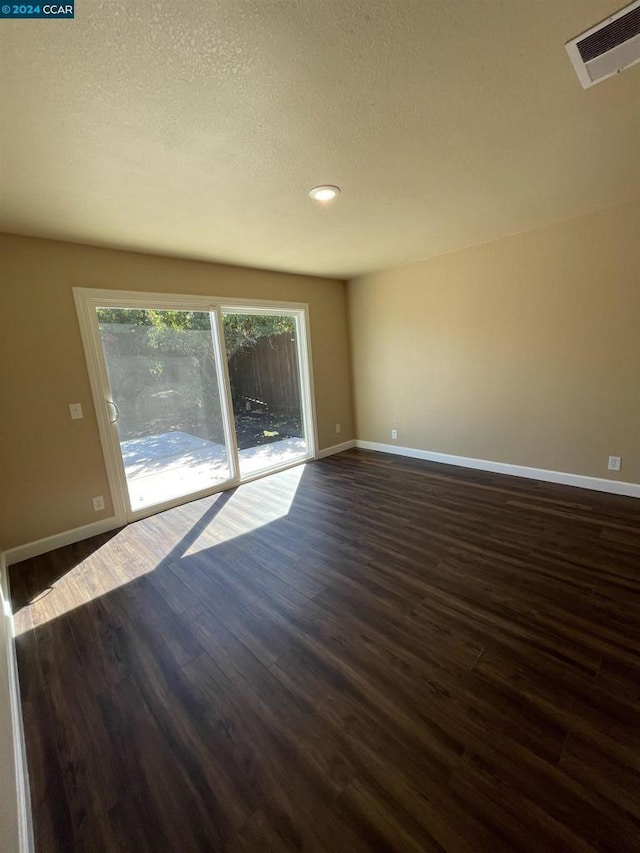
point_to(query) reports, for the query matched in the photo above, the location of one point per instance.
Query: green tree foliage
(240, 330)
(245, 330)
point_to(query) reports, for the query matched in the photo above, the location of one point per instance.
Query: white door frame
(88, 299)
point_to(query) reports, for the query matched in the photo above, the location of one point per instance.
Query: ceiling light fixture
(326, 192)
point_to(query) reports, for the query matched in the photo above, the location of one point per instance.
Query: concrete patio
(173, 464)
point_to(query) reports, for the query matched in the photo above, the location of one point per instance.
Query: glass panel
(264, 373)
(163, 377)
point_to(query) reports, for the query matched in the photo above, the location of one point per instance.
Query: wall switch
(98, 503)
(338, 428)
(615, 462)
(76, 412)
(394, 434)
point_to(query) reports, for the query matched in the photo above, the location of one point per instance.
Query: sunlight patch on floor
(251, 507)
(138, 549)
(91, 578)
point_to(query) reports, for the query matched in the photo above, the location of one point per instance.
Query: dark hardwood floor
(367, 653)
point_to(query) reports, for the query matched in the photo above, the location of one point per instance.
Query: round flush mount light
(326, 192)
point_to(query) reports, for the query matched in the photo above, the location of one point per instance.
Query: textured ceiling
(197, 128)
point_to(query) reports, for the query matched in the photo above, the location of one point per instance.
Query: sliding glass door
(266, 378)
(191, 397)
(165, 402)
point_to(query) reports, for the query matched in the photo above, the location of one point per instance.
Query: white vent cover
(608, 48)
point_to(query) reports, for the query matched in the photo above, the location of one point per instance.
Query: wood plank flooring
(366, 653)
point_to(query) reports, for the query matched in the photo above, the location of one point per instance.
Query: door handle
(116, 411)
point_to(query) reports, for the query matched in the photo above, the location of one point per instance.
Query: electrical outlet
(75, 410)
(338, 428)
(394, 434)
(615, 463)
(98, 503)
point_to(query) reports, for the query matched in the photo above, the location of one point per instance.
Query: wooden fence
(267, 372)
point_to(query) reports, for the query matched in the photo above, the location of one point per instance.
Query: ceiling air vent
(607, 48)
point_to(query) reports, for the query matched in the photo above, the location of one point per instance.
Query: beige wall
(525, 350)
(51, 465)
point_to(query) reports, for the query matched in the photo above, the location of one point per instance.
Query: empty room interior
(320, 426)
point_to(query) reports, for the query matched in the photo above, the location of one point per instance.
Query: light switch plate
(615, 462)
(76, 412)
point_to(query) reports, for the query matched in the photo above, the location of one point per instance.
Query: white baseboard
(337, 448)
(616, 487)
(24, 817)
(59, 540)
